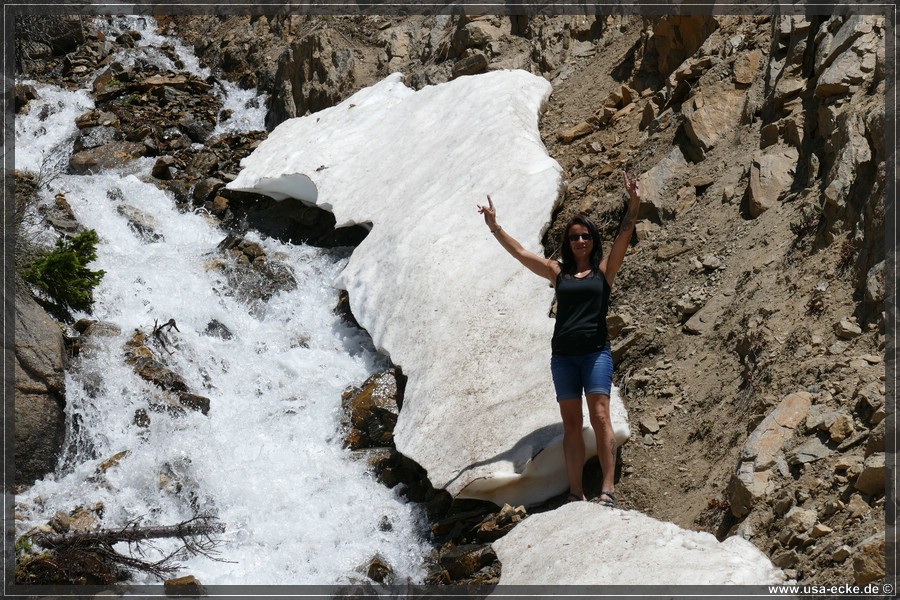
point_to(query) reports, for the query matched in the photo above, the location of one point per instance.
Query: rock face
(545, 550)
(39, 392)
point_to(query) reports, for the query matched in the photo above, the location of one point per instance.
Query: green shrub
(63, 274)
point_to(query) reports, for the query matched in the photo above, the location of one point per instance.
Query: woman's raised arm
(612, 262)
(545, 267)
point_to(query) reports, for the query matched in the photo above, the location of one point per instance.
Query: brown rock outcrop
(39, 420)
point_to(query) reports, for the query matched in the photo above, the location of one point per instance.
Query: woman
(581, 358)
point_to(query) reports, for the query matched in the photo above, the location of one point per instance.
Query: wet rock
(216, 329)
(107, 156)
(24, 93)
(164, 168)
(140, 223)
(378, 570)
(182, 586)
(462, 561)
(194, 402)
(206, 188)
(372, 411)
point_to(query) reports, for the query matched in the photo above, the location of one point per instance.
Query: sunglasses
(574, 237)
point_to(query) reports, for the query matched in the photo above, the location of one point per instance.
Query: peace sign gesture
(489, 212)
(631, 186)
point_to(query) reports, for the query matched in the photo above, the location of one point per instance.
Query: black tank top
(581, 307)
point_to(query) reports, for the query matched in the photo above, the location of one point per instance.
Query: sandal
(607, 499)
(573, 498)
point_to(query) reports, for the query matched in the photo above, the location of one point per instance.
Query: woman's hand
(632, 186)
(489, 212)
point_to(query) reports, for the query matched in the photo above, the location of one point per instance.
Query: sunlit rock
(619, 547)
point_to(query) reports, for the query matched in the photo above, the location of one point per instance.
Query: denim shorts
(590, 373)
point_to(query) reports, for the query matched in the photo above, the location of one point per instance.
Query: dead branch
(198, 526)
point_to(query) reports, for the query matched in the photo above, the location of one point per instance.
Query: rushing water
(268, 459)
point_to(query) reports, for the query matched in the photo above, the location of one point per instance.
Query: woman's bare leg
(573, 444)
(598, 410)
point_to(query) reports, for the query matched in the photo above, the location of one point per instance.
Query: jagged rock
(648, 424)
(746, 66)
(809, 451)
(675, 38)
(462, 561)
(820, 530)
(763, 450)
(372, 411)
(164, 168)
(712, 115)
(704, 319)
(472, 65)
(841, 428)
(194, 402)
(801, 520)
(847, 329)
(868, 560)
(871, 480)
(575, 132)
(497, 525)
(771, 175)
(24, 93)
(875, 442)
(656, 184)
(615, 323)
(94, 137)
(141, 223)
(378, 570)
(103, 157)
(850, 145)
(39, 396)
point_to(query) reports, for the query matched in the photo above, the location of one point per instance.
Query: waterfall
(267, 460)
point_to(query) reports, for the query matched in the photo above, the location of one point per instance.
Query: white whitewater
(268, 459)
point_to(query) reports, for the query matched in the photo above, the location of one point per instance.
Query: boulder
(658, 186)
(771, 175)
(764, 450)
(746, 66)
(39, 397)
(869, 560)
(103, 157)
(546, 550)
(871, 480)
(713, 114)
(372, 411)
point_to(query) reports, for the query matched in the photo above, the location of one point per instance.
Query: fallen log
(130, 533)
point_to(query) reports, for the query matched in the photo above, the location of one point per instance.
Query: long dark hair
(568, 265)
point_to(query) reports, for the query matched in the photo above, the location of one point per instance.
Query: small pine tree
(63, 274)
